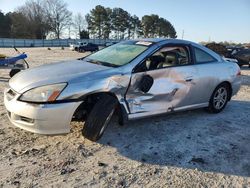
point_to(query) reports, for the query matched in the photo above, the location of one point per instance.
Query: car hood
(66, 71)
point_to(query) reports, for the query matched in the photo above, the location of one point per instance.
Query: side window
(202, 56)
(166, 57)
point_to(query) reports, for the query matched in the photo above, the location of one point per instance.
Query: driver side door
(162, 82)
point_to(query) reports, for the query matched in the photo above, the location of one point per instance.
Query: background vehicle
(239, 55)
(88, 47)
(133, 79)
(76, 46)
(231, 50)
(243, 57)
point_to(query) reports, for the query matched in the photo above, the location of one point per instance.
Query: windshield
(117, 55)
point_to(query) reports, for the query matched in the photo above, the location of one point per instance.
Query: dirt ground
(187, 149)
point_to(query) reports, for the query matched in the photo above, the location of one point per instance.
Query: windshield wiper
(107, 64)
(101, 63)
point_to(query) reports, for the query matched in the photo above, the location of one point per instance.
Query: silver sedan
(133, 79)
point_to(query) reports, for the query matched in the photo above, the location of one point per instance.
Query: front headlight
(47, 93)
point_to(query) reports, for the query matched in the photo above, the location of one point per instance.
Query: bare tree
(59, 16)
(34, 12)
(79, 23)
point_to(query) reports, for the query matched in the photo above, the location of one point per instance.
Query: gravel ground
(187, 149)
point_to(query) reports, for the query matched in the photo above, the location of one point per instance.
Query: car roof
(164, 40)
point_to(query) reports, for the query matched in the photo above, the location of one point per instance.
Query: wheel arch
(229, 87)
(89, 100)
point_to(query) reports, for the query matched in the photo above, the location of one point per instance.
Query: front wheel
(99, 117)
(219, 98)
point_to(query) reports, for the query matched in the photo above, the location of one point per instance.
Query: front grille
(16, 117)
(28, 120)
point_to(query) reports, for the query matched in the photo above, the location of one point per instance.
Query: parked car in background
(88, 47)
(232, 50)
(230, 59)
(243, 57)
(76, 46)
(133, 79)
(236, 54)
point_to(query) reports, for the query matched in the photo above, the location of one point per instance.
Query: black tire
(216, 99)
(99, 117)
(13, 72)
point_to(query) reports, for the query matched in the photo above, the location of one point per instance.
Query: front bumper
(40, 118)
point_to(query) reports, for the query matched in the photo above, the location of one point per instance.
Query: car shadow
(192, 139)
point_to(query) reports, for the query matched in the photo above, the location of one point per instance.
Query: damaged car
(132, 79)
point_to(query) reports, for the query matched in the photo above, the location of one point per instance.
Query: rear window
(202, 56)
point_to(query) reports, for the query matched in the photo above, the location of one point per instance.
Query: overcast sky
(201, 20)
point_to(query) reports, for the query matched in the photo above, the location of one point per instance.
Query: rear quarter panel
(213, 74)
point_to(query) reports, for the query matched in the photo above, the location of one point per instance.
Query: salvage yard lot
(187, 149)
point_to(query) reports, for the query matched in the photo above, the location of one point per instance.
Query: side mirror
(146, 83)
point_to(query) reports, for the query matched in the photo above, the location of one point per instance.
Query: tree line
(41, 19)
